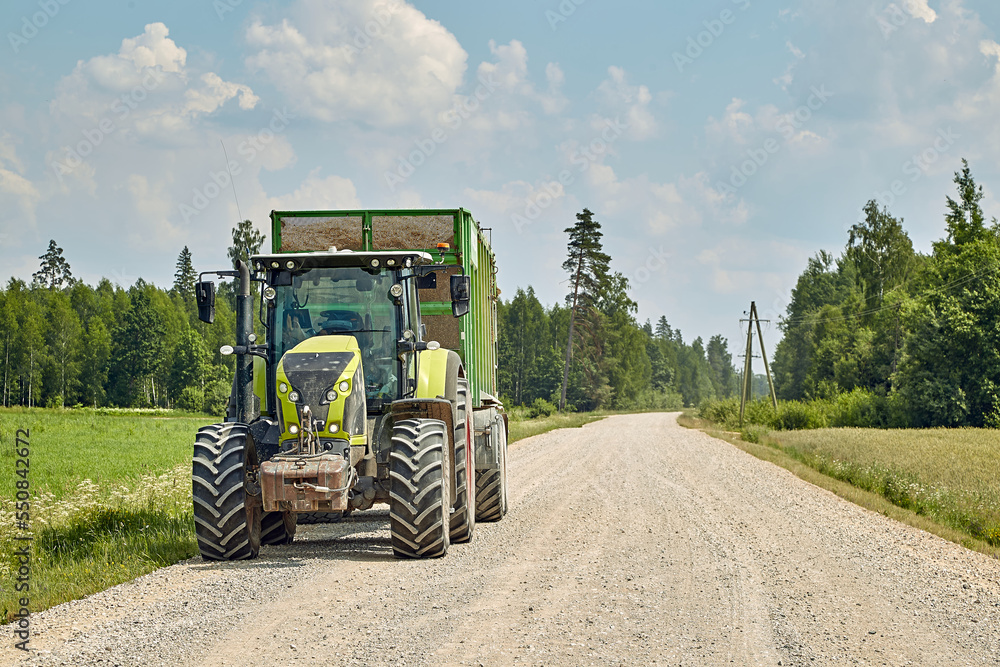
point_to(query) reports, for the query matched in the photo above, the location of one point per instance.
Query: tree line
(616, 362)
(913, 336)
(65, 343)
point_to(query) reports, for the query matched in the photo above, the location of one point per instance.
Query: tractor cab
(370, 296)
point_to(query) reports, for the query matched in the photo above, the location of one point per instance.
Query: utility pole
(569, 342)
(747, 389)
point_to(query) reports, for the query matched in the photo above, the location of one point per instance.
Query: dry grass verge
(941, 481)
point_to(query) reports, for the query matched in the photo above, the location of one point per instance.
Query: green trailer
(452, 237)
(375, 381)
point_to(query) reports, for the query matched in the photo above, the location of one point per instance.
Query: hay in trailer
(395, 232)
(308, 234)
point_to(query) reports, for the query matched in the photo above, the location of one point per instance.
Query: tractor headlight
(293, 429)
(293, 396)
(331, 396)
(282, 387)
(332, 427)
(344, 386)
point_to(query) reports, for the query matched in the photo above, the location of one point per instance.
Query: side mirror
(461, 291)
(428, 281)
(204, 295)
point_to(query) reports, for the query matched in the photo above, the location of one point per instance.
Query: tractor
(344, 401)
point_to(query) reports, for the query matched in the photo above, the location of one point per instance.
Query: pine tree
(585, 254)
(185, 275)
(588, 266)
(247, 241)
(54, 271)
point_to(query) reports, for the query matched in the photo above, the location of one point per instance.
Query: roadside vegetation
(941, 480)
(111, 500)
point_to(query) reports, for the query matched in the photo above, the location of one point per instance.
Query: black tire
(463, 517)
(277, 527)
(320, 517)
(227, 497)
(419, 503)
(491, 485)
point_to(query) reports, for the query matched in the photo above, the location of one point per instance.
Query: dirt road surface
(631, 541)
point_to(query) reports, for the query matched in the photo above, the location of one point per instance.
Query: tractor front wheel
(226, 493)
(419, 503)
(463, 519)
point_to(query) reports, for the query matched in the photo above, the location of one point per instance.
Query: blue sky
(719, 143)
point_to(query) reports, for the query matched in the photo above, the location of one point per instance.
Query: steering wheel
(341, 321)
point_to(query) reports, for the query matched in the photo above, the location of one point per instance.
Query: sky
(720, 144)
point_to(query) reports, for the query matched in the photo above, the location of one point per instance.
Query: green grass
(521, 428)
(940, 480)
(111, 499)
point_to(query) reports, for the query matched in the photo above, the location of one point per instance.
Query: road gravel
(631, 541)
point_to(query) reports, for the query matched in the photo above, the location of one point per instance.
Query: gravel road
(631, 541)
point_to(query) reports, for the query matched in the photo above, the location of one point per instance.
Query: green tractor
(346, 402)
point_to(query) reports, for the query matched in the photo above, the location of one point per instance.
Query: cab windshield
(347, 301)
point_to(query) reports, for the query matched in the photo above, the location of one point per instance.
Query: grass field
(945, 481)
(111, 500)
(111, 497)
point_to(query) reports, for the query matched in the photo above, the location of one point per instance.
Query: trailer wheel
(227, 496)
(277, 527)
(463, 518)
(491, 485)
(419, 507)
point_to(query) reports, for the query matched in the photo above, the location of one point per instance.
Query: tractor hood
(325, 374)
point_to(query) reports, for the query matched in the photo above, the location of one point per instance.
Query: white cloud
(919, 9)
(736, 125)
(145, 89)
(734, 268)
(317, 193)
(16, 191)
(152, 49)
(384, 64)
(630, 101)
(554, 101)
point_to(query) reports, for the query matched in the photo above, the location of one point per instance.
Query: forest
(65, 343)
(910, 340)
(907, 339)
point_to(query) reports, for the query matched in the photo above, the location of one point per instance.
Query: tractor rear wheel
(277, 527)
(463, 518)
(419, 503)
(491, 485)
(226, 493)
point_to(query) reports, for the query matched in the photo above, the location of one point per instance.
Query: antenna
(231, 181)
